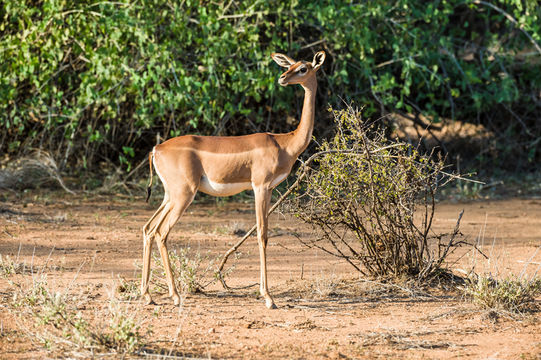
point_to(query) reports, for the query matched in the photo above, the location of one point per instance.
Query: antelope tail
(149, 187)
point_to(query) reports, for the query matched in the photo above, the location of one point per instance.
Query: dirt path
(325, 311)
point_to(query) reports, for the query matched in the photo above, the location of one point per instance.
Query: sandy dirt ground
(85, 245)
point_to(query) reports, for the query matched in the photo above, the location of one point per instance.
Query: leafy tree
(94, 81)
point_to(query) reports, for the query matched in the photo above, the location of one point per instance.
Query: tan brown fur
(223, 166)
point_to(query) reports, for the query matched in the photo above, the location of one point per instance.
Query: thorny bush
(371, 202)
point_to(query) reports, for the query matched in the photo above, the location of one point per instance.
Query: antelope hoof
(176, 299)
(270, 304)
(147, 300)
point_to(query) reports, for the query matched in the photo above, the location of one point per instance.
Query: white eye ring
(303, 70)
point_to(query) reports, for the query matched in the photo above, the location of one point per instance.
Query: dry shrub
(30, 172)
(371, 202)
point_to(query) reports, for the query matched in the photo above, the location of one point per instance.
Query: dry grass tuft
(513, 294)
(499, 293)
(30, 172)
(127, 290)
(9, 266)
(192, 271)
(60, 323)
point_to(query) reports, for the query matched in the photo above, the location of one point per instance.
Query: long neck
(303, 134)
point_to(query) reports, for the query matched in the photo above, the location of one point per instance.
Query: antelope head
(298, 72)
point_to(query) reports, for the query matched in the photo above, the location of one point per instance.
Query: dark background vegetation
(94, 83)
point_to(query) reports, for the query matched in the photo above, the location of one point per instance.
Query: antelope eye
(302, 70)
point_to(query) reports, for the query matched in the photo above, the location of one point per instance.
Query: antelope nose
(282, 77)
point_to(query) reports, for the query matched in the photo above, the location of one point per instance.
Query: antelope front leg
(262, 201)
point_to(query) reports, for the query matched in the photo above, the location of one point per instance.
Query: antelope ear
(282, 60)
(319, 58)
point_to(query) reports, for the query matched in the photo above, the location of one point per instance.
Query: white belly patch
(218, 189)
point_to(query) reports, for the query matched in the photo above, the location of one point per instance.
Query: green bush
(94, 81)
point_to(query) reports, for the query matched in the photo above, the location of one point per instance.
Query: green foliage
(104, 75)
(447, 60)
(90, 81)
